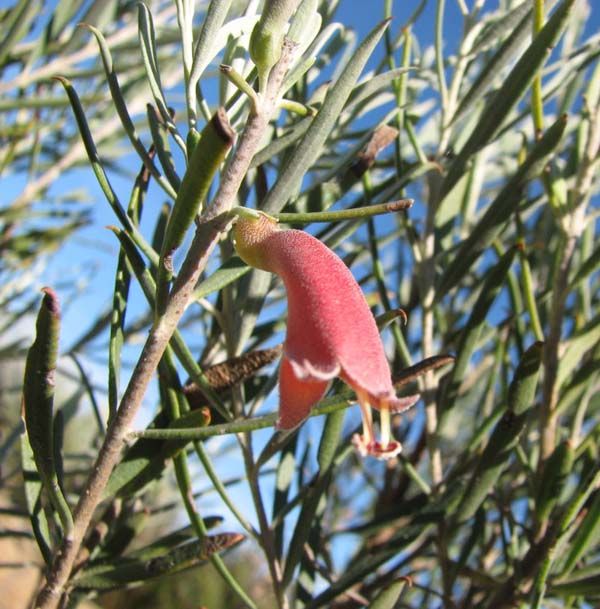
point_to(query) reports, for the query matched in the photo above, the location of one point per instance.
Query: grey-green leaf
(309, 148)
(498, 451)
(500, 210)
(513, 88)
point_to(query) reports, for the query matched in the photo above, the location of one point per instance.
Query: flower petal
(330, 325)
(375, 449)
(296, 395)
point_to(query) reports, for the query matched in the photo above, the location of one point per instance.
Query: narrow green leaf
(586, 538)
(529, 294)
(281, 143)
(513, 88)
(125, 571)
(325, 406)
(116, 339)
(32, 485)
(305, 580)
(63, 13)
(500, 210)
(160, 141)
(367, 211)
(586, 587)
(283, 480)
(251, 294)
(561, 535)
(38, 401)
(506, 433)
(389, 596)
(123, 112)
(330, 439)
(219, 486)
(556, 471)
(521, 392)
(309, 148)
(39, 382)
(100, 174)
(216, 13)
(146, 460)
(475, 535)
(588, 266)
(88, 388)
(303, 21)
(216, 139)
(16, 25)
(147, 40)
(121, 295)
(518, 23)
(493, 284)
(365, 90)
(578, 345)
(227, 273)
(312, 504)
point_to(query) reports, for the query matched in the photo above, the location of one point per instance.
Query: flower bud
(266, 40)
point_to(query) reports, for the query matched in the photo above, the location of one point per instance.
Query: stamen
(385, 424)
(366, 441)
(366, 444)
(367, 418)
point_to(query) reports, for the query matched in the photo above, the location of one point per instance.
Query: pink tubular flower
(331, 331)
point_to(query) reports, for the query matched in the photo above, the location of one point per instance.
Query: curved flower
(330, 332)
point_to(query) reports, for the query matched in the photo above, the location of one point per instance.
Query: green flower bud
(267, 36)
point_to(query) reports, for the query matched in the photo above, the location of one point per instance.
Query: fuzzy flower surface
(330, 331)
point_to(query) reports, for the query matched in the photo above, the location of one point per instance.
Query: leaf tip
(63, 80)
(222, 126)
(87, 26)
(51, 301)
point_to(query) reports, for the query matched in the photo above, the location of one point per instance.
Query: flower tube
(330, 331)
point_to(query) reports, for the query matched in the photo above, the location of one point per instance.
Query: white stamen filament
(367, 418)
(385, 424)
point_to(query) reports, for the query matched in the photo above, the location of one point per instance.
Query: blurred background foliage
(488, 115)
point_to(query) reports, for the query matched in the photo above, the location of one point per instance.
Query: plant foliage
(495, 134)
